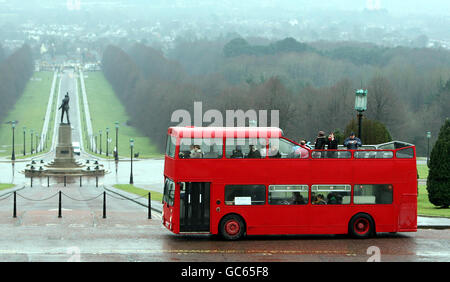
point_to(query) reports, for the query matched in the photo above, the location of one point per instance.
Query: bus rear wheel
(361, 226)
(232, 227)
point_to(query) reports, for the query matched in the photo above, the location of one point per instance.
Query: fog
(221, 51)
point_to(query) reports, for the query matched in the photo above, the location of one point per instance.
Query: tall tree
(438, 183)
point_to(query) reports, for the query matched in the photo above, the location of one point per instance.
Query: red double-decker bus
(237, 181)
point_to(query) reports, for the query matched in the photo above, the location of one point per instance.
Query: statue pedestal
(64, 150)
(64, 162)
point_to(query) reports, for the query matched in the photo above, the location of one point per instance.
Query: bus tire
(232, 227)
(361, 226)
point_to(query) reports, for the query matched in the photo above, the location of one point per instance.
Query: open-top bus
(237, 181)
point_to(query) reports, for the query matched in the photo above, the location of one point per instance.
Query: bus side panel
(407, 219)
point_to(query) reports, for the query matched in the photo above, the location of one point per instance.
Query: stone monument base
(64, 163)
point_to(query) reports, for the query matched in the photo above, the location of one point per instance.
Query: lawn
(156, 196)
(6, 186)
(28, 112)
(105, 108)
(423, 171)
(424, 207)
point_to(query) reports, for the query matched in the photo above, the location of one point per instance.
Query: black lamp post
(428, 150)
(24, 133)
(37, 143)
(360, 107)
(31, 138)
(131, 173)
(100, 141)
(107, 141)
(117, 141)
(13, 154)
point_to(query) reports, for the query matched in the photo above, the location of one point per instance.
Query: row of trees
(153, 87)
(15, 71)
(408, 88)
(406, 85)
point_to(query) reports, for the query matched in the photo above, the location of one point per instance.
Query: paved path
(45, 127)
(86, 111)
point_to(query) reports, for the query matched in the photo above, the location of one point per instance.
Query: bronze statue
(65, 108)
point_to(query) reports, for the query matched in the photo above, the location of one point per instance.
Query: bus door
(194, 206)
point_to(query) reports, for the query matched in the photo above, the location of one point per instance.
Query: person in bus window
(297, 199)
(253, 153)
(320, 200)
(313, 197)
(274, 152)
(196, 153)
(301, 150)
(237, 153)
(352, 142)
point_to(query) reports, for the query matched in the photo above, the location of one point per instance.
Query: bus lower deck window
(245, 194)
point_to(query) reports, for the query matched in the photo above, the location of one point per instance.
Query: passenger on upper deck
(301, 150)
(253, 153)
(352, 142)
(196, 152)
(321, 141)
(332, 145)
(237, 153)
(274, 152)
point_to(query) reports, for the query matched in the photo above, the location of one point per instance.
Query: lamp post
(13, 154)
(37, 143)
(24, 133)
(131, 173)
(107, 141)
(100, 132)
(360, 107)
(96, 144)
(116, 157)
(428, 150)
(31, 138)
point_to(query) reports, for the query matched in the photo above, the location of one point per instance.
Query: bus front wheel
(232, 227)
(361, 226)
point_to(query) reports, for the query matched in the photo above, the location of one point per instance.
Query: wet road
(37, 234)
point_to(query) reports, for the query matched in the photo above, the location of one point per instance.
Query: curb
(129, 195)
(12, 190)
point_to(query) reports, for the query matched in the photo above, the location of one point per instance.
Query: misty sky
(400, 7)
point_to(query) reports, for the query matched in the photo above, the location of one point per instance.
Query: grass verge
(6, 186)
(29, 112)
(423, 171)
(105, 109)
(156, 196)
(424, 207)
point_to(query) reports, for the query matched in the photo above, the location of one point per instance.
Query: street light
(131, 173)
(116, 157)
(96, 143)
(24, 132)
(31, 138)
(360, 107)
(13, 155)
(37, 143)
(107, 141)
(100, 141)
(428, 150)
